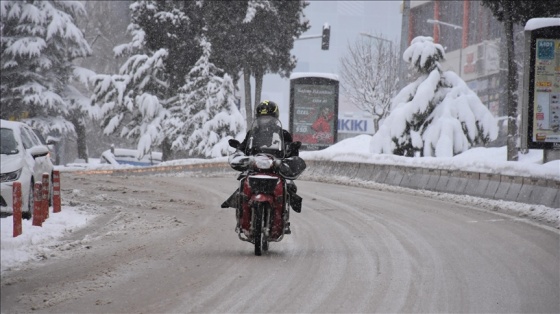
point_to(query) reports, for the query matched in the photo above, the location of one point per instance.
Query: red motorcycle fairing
(276, 201)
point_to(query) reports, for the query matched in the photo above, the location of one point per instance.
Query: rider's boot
(287, 229)
(295, 200)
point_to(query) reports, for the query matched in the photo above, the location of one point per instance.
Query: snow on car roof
(10, 124)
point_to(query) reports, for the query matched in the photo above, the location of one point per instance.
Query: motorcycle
(264, 198)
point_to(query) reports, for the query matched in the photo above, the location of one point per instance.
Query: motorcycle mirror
(233, 143)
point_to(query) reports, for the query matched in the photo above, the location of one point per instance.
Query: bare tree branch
(369, 76)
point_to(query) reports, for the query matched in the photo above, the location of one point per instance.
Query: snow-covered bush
(437, 114)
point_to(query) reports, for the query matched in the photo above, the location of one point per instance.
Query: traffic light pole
(309, 37)
(325, 37)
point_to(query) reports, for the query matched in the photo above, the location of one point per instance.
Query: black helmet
(267, 108)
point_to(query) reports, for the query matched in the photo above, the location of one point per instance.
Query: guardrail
(527, 190)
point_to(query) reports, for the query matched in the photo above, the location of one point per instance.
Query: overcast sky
(347, 19)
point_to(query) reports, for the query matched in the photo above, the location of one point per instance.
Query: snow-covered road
(162, 244)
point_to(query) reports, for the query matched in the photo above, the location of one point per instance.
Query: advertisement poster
(314, 116)
(546, 102)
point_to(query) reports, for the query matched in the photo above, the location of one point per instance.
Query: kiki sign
(353, 125)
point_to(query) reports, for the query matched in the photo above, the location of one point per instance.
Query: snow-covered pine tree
(134, 101)
(39, 41)
(436, 115)
(161, 53)
(256, 38)
(205, 116)
(79, 107)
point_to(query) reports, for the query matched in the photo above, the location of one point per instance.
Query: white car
(23, 159)
(123, 156)
(50, 142)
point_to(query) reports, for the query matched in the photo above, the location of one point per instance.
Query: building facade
(472, 39)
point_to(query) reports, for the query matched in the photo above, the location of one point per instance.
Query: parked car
(123, 156)
(50, 142)
(24, 160)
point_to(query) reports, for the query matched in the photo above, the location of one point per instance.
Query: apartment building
(473, 41)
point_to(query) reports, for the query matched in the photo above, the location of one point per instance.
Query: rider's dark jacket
(288, 139)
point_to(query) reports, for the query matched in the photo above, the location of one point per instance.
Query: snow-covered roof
(541, 22)
(330, 76)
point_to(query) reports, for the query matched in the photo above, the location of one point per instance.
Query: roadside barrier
(45, 196)
(16, 196)
(211, 166)
(529, 190)
(56, 192)
(40, 202)
(37, 205)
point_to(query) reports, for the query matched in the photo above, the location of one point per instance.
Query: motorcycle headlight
(10, 176)
(263, 162)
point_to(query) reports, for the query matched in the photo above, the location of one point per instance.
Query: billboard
(543, 125)
(314, 110)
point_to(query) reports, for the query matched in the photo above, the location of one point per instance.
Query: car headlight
(10, 176)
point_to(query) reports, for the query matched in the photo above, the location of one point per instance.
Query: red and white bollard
(45, 196)
(37, 206)
(56, 192)
(16, 196)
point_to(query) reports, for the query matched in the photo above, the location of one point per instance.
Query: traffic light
(325, 38)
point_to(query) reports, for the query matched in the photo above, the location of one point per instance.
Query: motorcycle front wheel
(257, 228)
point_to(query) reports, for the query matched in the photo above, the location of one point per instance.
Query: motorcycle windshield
(267, 137)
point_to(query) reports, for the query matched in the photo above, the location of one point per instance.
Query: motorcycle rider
(270, 108)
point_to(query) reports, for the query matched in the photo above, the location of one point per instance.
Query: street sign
(541, 104)
(314, 109)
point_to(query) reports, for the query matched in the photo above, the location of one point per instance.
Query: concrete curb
(527, 190)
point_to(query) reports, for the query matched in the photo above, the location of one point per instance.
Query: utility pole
(404, 42)
(378, 38)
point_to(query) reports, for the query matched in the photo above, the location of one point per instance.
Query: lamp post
(438, 23)
(381, 39)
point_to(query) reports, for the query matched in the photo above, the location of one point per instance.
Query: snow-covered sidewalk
(35, 242)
